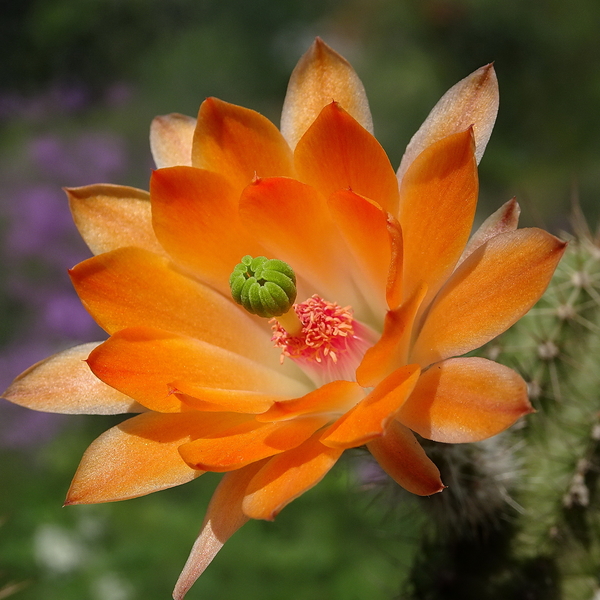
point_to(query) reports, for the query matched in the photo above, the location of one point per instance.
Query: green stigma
(264, 287)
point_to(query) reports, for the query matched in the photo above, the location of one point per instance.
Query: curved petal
(286, 476)
(218, 400)
(223, 518)
(401, 456)
(364, 227)
(247, 443)
(489, 292)
(321, 76)
(505, 219)
(139, 456)
(113, 216)
(337, 153)
(195, 216)
(465, 400)
(290, 219)
(473, 101)
(144, 362)
(438, 198)
(63, 383)
(369, 418)
(131, 287)
(171, 140)
(239, 144)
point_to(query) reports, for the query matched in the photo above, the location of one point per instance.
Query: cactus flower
(356, 292)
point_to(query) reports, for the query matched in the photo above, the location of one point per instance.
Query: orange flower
(390, 295)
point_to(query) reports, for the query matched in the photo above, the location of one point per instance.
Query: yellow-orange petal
(401, 456)
(195, 217)
(171, 140)
(113, 216)
(139, 456)
(218, 400)
(239, 144)
(286, 476)
(329, 398)
(505, 219)
(363, 225)
(473, 101)
(489, 292)
(223, 518)
(391, 350)
(438, 197)
(290, 219)
(130, 287)
(337, 153)
(143, 363)
(63, 383)
(465, 400)
(369, 418)
(320, 76)
(247, 443)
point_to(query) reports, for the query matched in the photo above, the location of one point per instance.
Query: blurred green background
(80, 82)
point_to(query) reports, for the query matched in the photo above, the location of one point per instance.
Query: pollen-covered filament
(331, 343)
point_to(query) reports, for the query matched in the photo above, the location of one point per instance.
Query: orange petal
(291, 220)
(491, 290)
(113, 216)
(337, 153)
(246, 443)
(363, 226)
(391, 350)
(195, 216)
(505, 219)
(329, 398)
(239, 144)
(139, 456)
(171, 140)
(321, 76)
(473, 101)
(287, 476)
(438, 200)
(401, 456)
(218, 400)
(131, 287)
(393, 292)
(144, 362)
(369, 418)
(223, 518)
(465, 400)
(63, 383)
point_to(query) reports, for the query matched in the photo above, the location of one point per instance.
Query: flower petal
(401, 456)
(131, 287)
(505, 219)
(140, 456)
(195, 216)
(247, 443)
(369, 418)
(391, 350)
(218, 400)
(239, 144)
(287, 476)
(223, 518)
(337, 153)
(171, 140)
(472, 101)
(290, 219)
(465, 400)
(321, 76)
(438, 200)
(329, 398)
(113, 216)
(64, 383)
(144, 362)
(489, 292)
(363, 226)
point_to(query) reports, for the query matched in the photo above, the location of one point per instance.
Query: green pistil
(264, 287)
